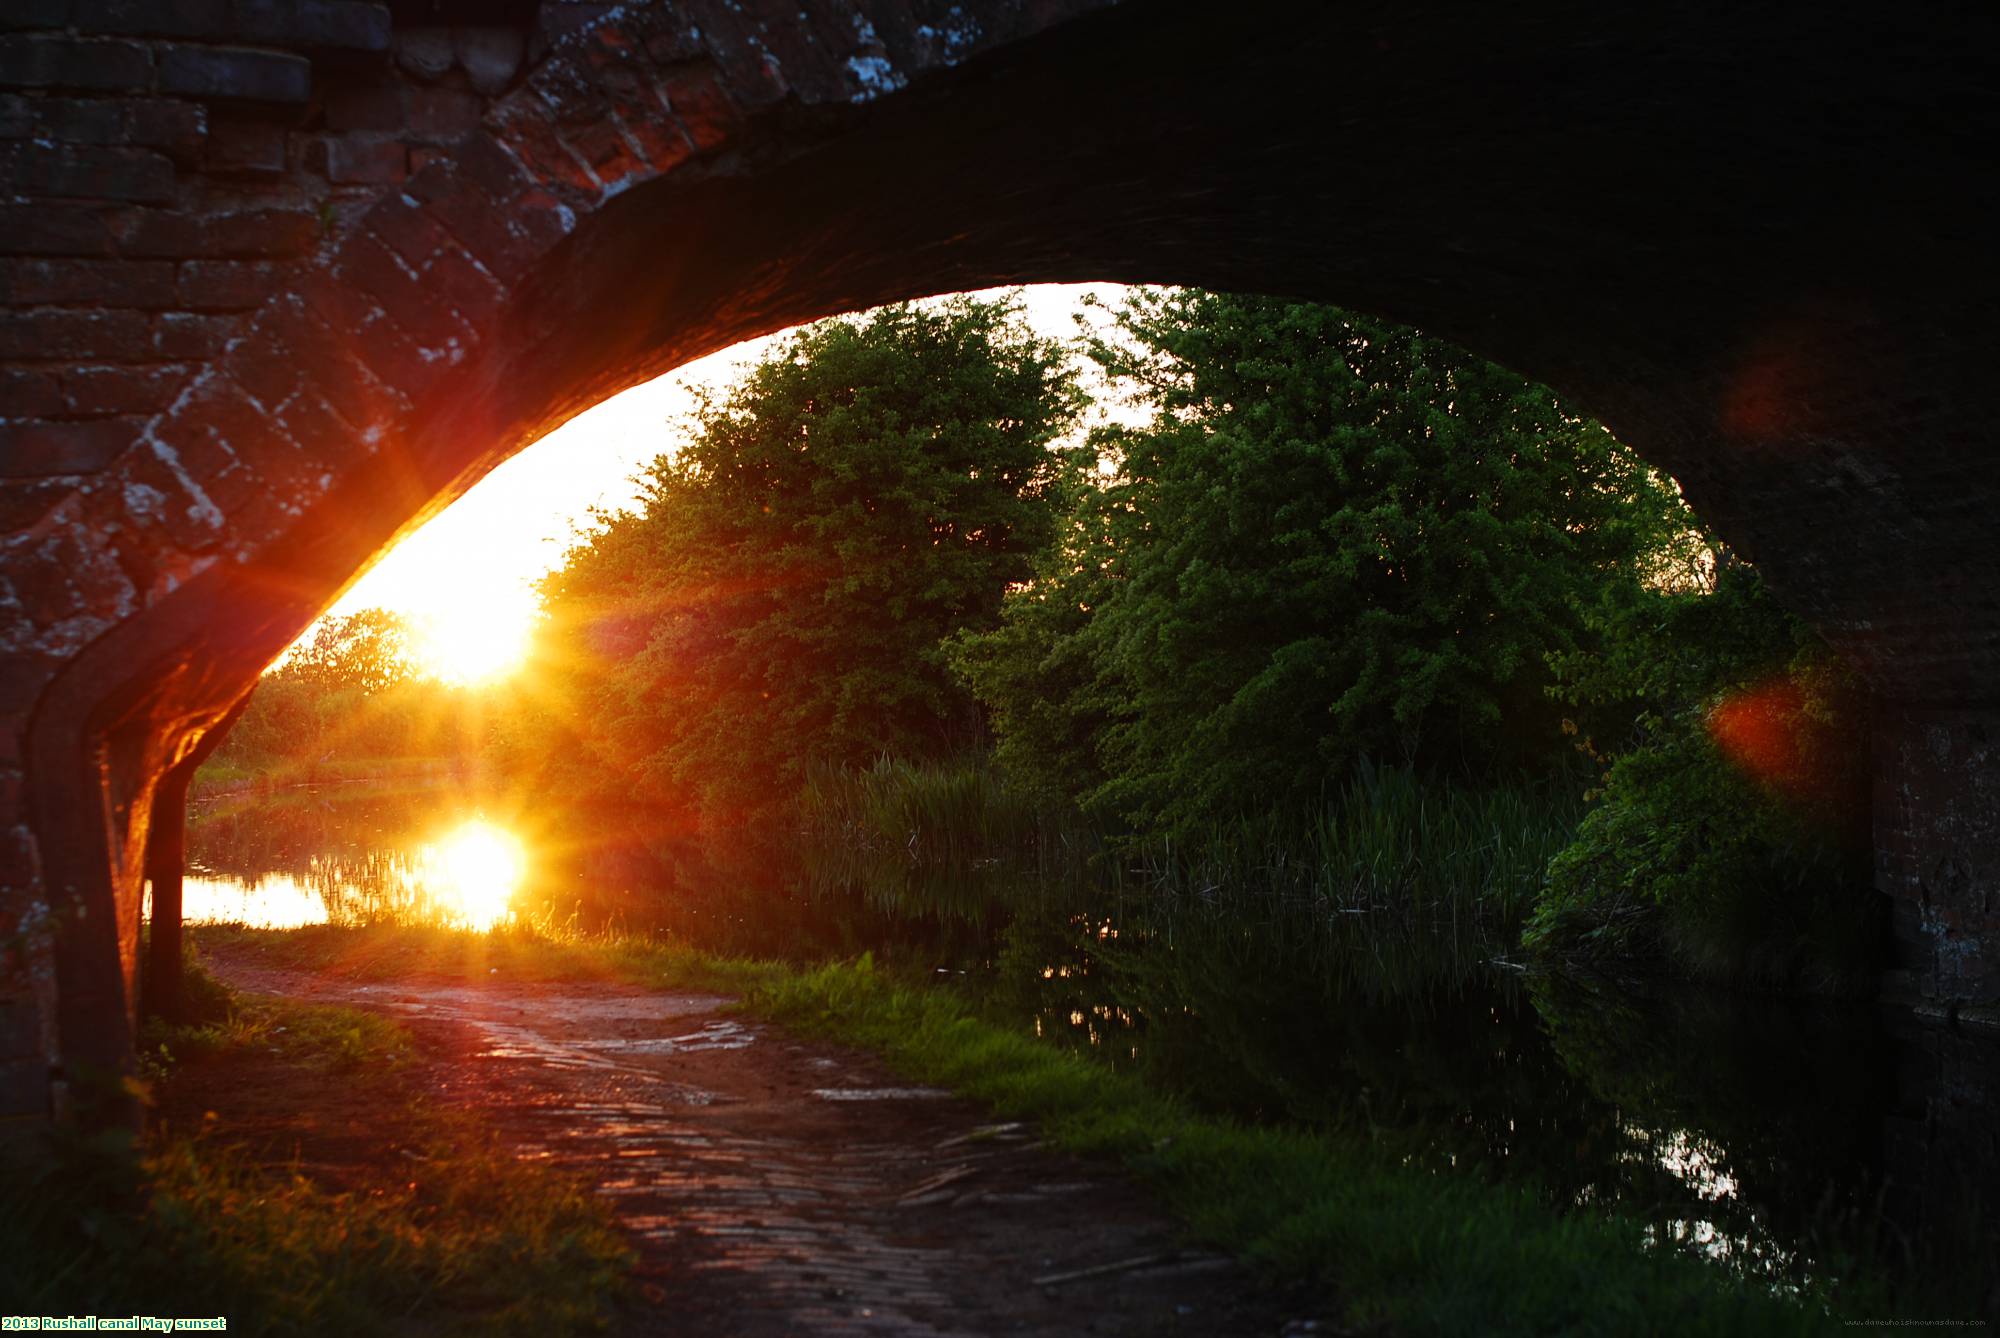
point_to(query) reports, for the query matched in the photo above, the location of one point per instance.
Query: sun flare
(473, 873)
(474, 639)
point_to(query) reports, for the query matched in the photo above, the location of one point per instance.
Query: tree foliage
(354, 688)
(1333, 538)
(780, 596)
(368, 651)
(1730, 836)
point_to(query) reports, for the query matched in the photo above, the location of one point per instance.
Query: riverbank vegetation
(889, 593)
(881, 593)
(1345, 664)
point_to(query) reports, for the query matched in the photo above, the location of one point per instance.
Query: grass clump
(234, 1206)
(543, 951)
(1428, 1253)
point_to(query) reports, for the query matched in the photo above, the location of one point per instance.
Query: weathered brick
(557, 21)
(409, 230)
(178, 512)
(424, 50)
(54, 333)
(733, 53)
(235, 72)
(369, 267)
(34, 14)
(187, 440)
(490, 56)
(469, 290)
(668, 44)
(371, 107)
(264, 366)
(377, 371)
(441, 113)
(701, 106)
(22, 678)
(51, 228)
(103, 390)
(496, 173)
(332, 336)
(359, 159)
(168, 124)
(31, 392)
(334, 24)
(218, 408)
(524, 125)
(68, 571)
(604, 149)
(245, 147)
(41, 61)
(17, 116)
(322, 434)
(155, 18)
(281, 466)
(57, 282)
(260, 520)
(79, 120)
(226, 285)
(237, 234)
(231, 489)
(23, 502)
(86, 172)
(504, 240)
(657, 135)
(31, 447)
(191, 337)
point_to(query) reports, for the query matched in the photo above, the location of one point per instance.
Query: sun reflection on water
(464, 876)
(470, 876)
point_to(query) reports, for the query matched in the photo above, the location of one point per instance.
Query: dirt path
(773, 1186)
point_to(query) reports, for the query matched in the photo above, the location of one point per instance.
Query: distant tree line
(351, 691)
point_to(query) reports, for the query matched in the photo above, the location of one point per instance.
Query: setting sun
(473, 873)
(477, 642)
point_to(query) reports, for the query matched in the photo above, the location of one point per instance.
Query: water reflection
(1781, 1138)
(310, 860)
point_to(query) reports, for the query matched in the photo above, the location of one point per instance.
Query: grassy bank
(254, 1198)
(1429, 1254)
(1332, 1214)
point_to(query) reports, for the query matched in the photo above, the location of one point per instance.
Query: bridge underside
(1750, 242)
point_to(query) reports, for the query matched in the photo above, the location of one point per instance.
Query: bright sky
(467, 576)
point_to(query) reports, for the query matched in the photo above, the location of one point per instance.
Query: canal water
(1785, 1138)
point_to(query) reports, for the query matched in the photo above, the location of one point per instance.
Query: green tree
(780, 596)
(1334, 538)
(368, 651)
(351, 689)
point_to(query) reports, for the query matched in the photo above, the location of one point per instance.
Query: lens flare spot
(1758, 729)
(472, 874)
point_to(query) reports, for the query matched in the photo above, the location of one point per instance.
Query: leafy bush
(1732, 843)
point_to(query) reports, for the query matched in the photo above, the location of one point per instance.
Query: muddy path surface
(772, 1185)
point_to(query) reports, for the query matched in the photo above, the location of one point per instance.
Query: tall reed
(1389, 840)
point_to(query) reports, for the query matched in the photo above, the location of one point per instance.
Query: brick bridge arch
(282, 279)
